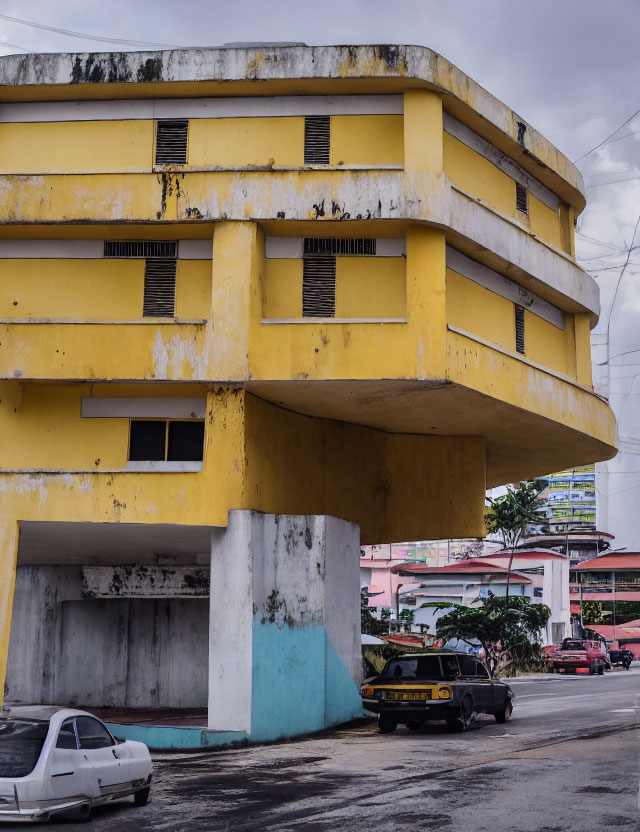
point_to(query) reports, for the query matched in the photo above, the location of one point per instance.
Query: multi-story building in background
(570, 497)
(245, 292)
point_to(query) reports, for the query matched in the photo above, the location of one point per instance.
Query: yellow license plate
(408, 696)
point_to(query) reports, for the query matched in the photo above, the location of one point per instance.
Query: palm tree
(510, 514)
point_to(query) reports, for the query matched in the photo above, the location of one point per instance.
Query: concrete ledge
(286, 70)
(502, 245)
(164, 737)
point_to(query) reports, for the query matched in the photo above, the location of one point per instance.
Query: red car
(579, 656)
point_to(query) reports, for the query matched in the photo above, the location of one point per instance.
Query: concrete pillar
(582, 329)
(284, 624)
(8, 558)
(236, 299)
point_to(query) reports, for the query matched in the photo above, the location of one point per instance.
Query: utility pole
(398, 605)
(613, 589)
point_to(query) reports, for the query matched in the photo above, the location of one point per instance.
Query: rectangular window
(317, 140)
(173, 440)
(519, 314)
(171, 142)
(185, 441)
(319, 287)
(148, 440)
(159, 288)
(467, 665)
(522, 198)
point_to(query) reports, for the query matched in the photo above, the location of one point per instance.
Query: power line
(13, 46)
(617, 253)
(604, 141)
(73, 34)
(613, 182)
(595, 240)
(611, 172)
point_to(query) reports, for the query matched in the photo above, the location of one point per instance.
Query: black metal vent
(159, 288)
(140, 248)
(171, 142)
(522, 199)
(319, 287)
(520, 329)
(317, 140)
(339, 245)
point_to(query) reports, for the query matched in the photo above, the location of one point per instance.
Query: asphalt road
(569, 760)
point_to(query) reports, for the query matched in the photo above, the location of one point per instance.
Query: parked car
(444, 685)
(65, 765)
(577, 655)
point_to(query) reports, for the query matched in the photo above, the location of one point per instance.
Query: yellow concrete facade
(395, 409)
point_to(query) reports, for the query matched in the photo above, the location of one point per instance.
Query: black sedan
(443, 685)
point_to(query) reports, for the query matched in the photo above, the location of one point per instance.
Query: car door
(478, 681)
(70, 773)
(101, 751)
(484, 685)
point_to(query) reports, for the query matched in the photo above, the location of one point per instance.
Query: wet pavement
(567, 762)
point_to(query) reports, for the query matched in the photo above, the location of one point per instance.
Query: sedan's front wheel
(504, 715)
(141, 798)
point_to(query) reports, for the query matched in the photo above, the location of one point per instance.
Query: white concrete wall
(284, 624)
(67, 650)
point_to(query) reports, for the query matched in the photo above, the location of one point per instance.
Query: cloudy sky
(570, 67)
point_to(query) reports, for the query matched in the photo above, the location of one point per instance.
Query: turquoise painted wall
(300, 684)
(342, 697)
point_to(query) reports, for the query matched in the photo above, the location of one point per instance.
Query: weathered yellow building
(292, 280)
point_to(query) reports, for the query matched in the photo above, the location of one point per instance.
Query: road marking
(624, 710)
(529, 695)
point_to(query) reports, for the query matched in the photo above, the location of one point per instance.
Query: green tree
(591, 613)
(625, 611)
(510, 514)
(506, 631)
(368, 622)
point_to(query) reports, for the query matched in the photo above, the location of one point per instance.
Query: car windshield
(572, 645)
(418, 667)
(21, 742)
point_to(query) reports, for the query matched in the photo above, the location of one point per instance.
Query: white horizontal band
(88, 249)
(246, 107)
(163, 466)
(292, 248)
(504, 287)
(476, 142)
(156, 408)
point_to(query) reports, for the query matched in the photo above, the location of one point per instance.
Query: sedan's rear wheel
(141, 798)
(386, 724)
(464, 718)
(505, 714)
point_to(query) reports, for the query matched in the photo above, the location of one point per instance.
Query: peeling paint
(171, 355)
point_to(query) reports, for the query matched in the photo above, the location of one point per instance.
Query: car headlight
(367, 691)
(445, 693)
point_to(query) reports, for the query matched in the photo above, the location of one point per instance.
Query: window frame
(166, 438)
(72, 720)
(101, 724)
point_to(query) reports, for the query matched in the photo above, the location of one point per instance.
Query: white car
(66, 764)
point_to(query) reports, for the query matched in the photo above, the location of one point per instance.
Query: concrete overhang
(291, 70)
(520, 443)
(115, 543)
